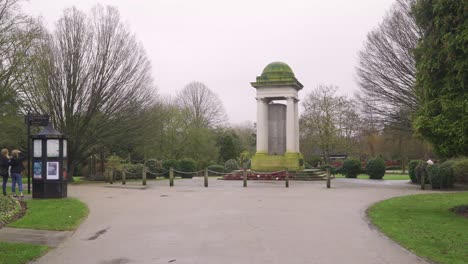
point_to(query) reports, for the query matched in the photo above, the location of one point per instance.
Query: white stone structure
(277, 82)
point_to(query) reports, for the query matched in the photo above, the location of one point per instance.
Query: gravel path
(225, 223)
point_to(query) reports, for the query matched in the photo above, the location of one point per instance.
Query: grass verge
(53, 214)
(386, 176)
(19, 253)
(425, 225)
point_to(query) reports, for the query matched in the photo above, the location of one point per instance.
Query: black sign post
(33, 120)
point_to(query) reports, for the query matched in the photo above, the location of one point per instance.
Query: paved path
(225, 223)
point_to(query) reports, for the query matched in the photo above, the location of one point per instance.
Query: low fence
(285, 174)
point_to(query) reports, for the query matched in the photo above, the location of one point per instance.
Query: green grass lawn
(53, 214)
(425, 225)
(386, 176)
(19, 253)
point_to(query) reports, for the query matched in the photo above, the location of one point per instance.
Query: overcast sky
(226, 44)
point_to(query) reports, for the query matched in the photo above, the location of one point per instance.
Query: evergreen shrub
(375, 168)
(351, 168)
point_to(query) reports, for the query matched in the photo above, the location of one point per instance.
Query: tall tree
(88, 75)
(442, 75)
(328, 120)
(386, 71)
(203, 108)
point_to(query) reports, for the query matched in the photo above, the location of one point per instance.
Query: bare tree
(93, 78)
(17, 34)
(202, 106)
(386, 72)
(328, 120)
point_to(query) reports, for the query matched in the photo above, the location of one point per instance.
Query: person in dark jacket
(17, 167)
(4, 164)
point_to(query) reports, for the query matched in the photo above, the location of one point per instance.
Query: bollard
(144, 175)
(328, 178)
(206, 177)
(171, 177)
(287, 178)
(111, 179)
(124, 177)
(245, 177)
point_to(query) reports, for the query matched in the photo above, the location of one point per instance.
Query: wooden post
(206, 177)
(111, 180)
(328, 178)
(144, 175)
(171, 177)
(124, 177)
(287, 178)
(245, 177)
(423, 184)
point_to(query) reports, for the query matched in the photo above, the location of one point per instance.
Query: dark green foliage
(442, 74)
(421, 171)
(375, 168)
(153, 165)
(187, 165)
(216, 168)
(314, 161)
(167, 164)
(333, 170)
(412, 170)
(441, 176)
(247, 164)
(460, 171)
(229, 146)
(231, 165)
(351, 168)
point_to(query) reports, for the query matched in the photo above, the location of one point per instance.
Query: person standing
(4, 164)
(17, 167)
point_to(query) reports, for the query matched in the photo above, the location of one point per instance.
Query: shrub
(460, 170)
(216, 168)
(421, 171)
(333, 170)
(412, 170)
(375, 168)
(247, 164)
(351, 168)
(133, 171)
(441, 176)
(307, 165)
(153, 166)
(231, 165)
(167, 164)
(187, 165)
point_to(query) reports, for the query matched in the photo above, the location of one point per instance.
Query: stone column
(296, 122)
(262, 125)
(290, 125)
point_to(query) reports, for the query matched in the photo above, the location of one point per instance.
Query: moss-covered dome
(277, 74)
(277, 70)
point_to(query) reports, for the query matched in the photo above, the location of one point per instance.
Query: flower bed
(10, 210)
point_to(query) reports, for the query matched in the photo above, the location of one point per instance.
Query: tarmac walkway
(226, 223)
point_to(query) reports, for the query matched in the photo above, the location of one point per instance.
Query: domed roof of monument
(277, 74)
(277, 69)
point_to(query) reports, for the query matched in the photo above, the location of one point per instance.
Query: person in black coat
(4, 164)
(17, 167)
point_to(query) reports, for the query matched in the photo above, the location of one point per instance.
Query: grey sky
(226, 44)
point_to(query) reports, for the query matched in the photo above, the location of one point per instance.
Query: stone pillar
(290, 126)
(296, 122)
(262, 125)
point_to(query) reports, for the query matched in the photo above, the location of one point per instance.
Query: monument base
(292, 161)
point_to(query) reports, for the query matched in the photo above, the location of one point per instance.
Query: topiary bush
(375, 168)
(441, 176)
(460, 171)
(154, 166)
(351, 168)
(187, 165)
(412, 170)
(216, 168)
(133, 171)
(231, 165)
(167, 164)
(421, 171)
